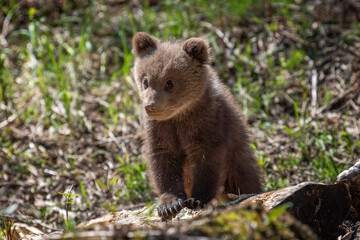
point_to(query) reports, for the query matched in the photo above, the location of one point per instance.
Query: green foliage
(69, 223)
(9, 231)
(295, 59)
(136, 183)
(321, 149)
(151, 208)
(69, 197)
(107, 184)
(83, 192)
(5, 86)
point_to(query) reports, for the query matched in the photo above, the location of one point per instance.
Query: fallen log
(320, 206)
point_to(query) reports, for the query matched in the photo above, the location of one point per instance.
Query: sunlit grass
(60, 64)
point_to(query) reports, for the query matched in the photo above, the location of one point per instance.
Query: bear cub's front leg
(166, 172)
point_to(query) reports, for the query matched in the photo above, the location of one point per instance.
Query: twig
(328, 106)
(314, 81)
(111, 135)
(347, 234)
(334, 101)
(354, 106)
(349, 49)
(288, 98)
(5, 29)
(7, 152)
(227, 42)
(287, 5)
(107, 140)
(86, 235)
(307, 121)
(294, 37)
(96, 100)
(327, 58)
(7, 121)
(220, 34)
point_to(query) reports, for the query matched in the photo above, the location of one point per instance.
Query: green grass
(136, 182)
(51, 68)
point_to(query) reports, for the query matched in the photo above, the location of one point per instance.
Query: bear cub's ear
(196, 48)
(143, 44)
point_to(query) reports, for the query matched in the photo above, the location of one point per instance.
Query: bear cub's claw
(194, 203)
(169, 210)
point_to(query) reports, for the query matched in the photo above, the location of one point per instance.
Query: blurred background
(69, 109)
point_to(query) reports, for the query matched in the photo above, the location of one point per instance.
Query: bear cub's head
(171, 75)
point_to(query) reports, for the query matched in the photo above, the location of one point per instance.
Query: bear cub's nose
(150, 108)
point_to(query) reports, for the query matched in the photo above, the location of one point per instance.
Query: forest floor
(69, 109)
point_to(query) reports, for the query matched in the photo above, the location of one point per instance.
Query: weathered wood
(351, 178)
(323, 207)
(320, 206)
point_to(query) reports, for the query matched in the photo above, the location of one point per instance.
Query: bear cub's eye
(145, 83)
(169, 84)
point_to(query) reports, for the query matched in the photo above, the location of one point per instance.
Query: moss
(232, 224)
(237, 223)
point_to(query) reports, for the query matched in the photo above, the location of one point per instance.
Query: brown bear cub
(196, 142)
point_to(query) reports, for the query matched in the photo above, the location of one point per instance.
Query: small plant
(107, 184)
(151, 208)
(9, 235)
(69, 224)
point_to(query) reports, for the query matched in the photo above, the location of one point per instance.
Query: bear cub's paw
(170, 205)
(194, 203)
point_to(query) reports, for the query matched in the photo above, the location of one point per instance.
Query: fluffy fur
(196, 142)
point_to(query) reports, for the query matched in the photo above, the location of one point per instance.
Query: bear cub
(196, 142)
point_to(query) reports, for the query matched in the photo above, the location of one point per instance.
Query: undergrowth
(68, 79)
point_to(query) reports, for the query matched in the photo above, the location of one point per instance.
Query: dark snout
(150, 108)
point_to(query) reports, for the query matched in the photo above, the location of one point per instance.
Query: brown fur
(196, 141)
